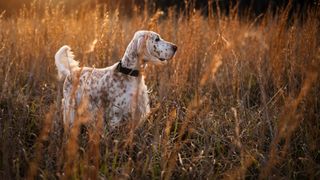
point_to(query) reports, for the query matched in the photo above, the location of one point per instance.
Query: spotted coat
(121, 96)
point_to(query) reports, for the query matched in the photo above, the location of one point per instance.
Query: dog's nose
(174, 47)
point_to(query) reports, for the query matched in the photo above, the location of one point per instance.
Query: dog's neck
(133, 64)
(132, 60)
(133, 57)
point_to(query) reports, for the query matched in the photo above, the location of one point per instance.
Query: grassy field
(239, 100)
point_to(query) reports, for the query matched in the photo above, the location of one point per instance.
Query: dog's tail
(65, 62)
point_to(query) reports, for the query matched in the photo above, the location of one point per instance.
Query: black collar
(127, 71)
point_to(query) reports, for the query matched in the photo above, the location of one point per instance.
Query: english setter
(120, 89)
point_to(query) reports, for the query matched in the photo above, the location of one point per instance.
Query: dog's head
(151, 47)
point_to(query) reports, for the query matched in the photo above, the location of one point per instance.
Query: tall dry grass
(239, 100)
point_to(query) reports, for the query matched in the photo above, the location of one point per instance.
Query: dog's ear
(138, 45)
(141, 43)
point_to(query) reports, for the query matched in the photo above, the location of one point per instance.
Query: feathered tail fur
(65, 62)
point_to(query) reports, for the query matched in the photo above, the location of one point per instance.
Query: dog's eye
(157, 39)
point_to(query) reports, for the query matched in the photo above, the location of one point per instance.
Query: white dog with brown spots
(120, 89)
